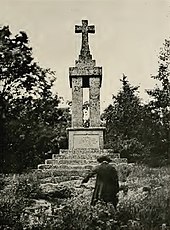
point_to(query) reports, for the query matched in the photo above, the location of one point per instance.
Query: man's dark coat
(107, 186)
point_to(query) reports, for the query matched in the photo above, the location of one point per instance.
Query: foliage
(137, 210)
(147, 204)
(31, 122)
(159, 107)
(139, 131)
(20, 76)
(124, 120)
(73, 215)
(15, 197)
(35, 133)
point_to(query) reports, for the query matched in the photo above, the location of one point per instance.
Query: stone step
(80, 161)
(68, 167)
(70, 161)
(65, 151)
(59, 179)
(53, 175)
(87, 155)
(65, 166)
(102, 151)
(44, 173)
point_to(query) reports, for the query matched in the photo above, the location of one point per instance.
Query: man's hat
(104, 158)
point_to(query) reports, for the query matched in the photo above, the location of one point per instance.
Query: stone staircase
(74, 165)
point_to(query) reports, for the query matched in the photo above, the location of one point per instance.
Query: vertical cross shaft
(85, 29)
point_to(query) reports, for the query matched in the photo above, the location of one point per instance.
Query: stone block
(85, 71)
(86, 138)
(79, 161)
(85, 154)
(59, 179)
(70, 161)
(94, 95)
(65, 167)
(62, 172)
(77, 102)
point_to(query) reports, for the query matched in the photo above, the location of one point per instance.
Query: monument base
(86, 138)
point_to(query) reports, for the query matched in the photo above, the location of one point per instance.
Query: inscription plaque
(86, 141)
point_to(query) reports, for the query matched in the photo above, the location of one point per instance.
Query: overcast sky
(129, 34)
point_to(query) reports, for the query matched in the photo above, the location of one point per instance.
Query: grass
(146, 206)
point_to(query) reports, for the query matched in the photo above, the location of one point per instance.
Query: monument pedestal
(86, 138)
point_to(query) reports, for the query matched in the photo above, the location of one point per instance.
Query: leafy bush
(76, 216)
(15, 197)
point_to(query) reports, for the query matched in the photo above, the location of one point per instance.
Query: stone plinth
(86, 138)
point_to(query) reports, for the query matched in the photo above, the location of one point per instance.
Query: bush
(76, 216)
(15, 197)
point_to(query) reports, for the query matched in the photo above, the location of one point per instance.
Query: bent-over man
(107, 185)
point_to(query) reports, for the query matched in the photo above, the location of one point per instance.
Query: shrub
(15, 197)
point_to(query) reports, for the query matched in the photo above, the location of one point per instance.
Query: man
(107, 186)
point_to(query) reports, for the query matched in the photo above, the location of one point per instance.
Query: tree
(20, 76)
(159, 106)
(124, 122)
(36, 132)
(32, 124)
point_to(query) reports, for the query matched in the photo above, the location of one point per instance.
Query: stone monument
(85, 143)
(85, 74)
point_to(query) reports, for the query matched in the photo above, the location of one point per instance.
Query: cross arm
(91, 29)
(78, 29)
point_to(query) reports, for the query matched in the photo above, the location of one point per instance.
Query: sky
(128, 37)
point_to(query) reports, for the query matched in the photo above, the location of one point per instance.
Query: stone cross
(84, 29)
(85, 74)
(85, 133)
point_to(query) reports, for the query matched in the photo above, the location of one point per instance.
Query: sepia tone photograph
(84, 115)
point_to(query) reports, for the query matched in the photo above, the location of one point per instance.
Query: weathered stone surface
(84, 30)
(70, 161)
(54, 190)
(85, 66)
(85, 75)
(65, 166)
(43, 173)
(59, 179)
(89, 150)
(70, 165)
(94, 92)
(78, 162)
(85, 144)
(79, 71)
(60, 174)
(77, 102)
(85, 156)
(86, 138)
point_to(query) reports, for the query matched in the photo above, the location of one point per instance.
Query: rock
(53, 191)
